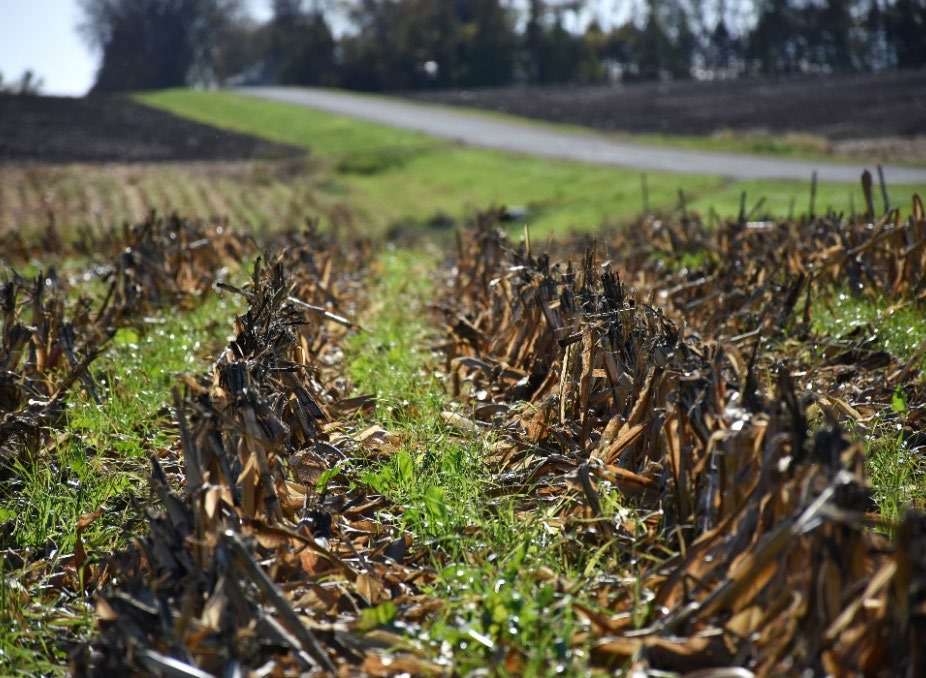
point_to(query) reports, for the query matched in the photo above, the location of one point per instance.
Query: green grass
(496, 564)
(496, 561)
(97, 462)
(508, 576)
(789, 145)
(899, 329)
(27, 638)
(98, 456)
(898, 475)
(391, 175)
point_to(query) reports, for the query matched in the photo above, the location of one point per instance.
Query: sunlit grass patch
(897, 472)
(138, 373)
(898, 476)
(898, 328)
(100, 454)
(26, 648)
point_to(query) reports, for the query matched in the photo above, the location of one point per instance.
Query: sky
(41, 35)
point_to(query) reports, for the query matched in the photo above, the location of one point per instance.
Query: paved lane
(592, 147)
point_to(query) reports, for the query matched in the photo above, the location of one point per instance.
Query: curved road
(547, 141)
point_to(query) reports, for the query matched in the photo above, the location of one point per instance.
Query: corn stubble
(754, 536)
(50, 338)
(680, 375)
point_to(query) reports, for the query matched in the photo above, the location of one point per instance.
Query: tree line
(27, 84)
(418, 44)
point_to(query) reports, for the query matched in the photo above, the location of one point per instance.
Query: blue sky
(41, 35)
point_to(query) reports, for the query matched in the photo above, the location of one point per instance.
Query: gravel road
(591, 147)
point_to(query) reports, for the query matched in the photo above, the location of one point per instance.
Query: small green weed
(898, 476)
(691, 261)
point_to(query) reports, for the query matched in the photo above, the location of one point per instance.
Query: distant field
(38, 129)
(100, 161)
(870, 116)
(399, 177)
(262, 163)
(215, 154)
(249, 193)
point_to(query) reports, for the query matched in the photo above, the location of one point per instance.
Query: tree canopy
(417, 44)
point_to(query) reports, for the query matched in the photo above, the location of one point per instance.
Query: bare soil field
(835, 107)
(115, 129)
(99, 161)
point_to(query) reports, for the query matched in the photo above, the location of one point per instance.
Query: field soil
(260, 194)
(106, 160)
(115, 129)
(835, 107)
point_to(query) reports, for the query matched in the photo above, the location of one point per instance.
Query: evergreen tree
(489, 45)
(906, 30)
(655, 51)
(774, 43)
(721, 53)
(836, 35)
(875, 48)
(623, 46)
(301, 45)
(535, 42)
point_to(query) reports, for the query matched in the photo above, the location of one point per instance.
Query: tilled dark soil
(836, 107)
(116, 129)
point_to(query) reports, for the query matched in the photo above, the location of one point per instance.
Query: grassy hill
(395, 175)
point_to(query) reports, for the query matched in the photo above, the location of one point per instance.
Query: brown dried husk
(754, 536)
(248, 567)
(48, 341)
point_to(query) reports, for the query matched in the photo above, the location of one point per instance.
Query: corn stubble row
(697, 393)
(49, 337)
(247, 567)
(715, 414)
(192, 597)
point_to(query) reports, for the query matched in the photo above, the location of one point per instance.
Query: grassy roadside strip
(97, 463)
(394, 175)
(508, 577)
